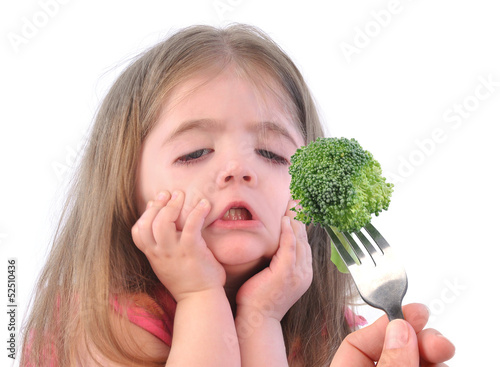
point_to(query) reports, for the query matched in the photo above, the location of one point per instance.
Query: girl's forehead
(265, 90)
(208, 89)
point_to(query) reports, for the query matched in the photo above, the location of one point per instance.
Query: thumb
(400, 346)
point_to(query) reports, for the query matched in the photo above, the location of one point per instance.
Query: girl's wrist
(255, 315)
(261, 339)
(254, 323)
(272, 307)
(206, 295)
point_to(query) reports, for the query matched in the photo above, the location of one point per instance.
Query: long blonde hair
(93, 256)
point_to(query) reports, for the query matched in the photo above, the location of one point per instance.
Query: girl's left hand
(274, 290)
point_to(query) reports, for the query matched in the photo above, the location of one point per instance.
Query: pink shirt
(153, 315)
(157, 317)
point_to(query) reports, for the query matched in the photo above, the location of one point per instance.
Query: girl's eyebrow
(270, 126)
(197, 124)
(261, 128)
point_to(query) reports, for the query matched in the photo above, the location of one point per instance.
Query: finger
(171, 211)
(434, 347)
(191, 233)
(349, 355)
(164, 227)
(142, 232)
(369, 341)
(303, 261)
(287, 245)
(400, 346)
(296, 275)
(417, 315)
(303, 248)
(300, 233)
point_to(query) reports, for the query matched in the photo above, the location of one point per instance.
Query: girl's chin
(242, 255)
(242, 262)
(250, 267)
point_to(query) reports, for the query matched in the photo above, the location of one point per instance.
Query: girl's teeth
(237, 214)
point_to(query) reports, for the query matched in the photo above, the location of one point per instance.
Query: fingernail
(203, 203)
(150, 203)
(396, 335)
(175, 194)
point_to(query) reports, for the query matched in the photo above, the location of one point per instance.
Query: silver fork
(380, 278)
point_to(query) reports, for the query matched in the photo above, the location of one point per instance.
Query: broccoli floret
(338, 184)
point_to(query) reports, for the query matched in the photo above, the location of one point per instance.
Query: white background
(395, 91)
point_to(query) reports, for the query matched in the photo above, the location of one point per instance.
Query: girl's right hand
(180, 258)
(401, 344)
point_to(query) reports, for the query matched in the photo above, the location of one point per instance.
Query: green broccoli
(338, 183)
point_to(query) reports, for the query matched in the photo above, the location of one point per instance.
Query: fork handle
(395, 313)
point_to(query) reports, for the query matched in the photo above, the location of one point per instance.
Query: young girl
(177, 245)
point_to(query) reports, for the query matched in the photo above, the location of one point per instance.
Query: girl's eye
(193, 156)
(273, 157)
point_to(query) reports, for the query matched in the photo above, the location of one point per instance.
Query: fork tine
(377, 237)
(348, 260)
(357, 250)
(372, 251)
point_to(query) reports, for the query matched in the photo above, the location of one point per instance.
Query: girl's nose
(236, 172)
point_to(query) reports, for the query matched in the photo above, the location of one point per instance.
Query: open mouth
(237, 214)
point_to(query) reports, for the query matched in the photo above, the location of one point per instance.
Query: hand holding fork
(382, 283)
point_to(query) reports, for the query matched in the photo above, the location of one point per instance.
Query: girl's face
(220, 139)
